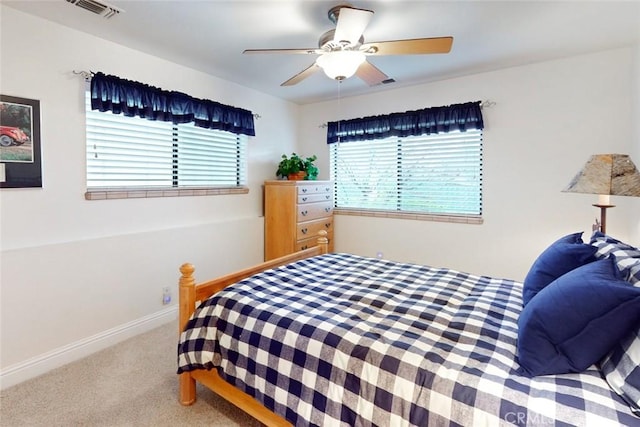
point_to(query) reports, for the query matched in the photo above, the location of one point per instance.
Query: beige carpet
(130, 384)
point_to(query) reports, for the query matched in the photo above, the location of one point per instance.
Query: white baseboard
(43, 363)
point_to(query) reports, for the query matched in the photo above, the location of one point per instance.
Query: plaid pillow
(621, 368)
(627, 257)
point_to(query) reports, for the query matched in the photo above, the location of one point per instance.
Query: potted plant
(297, 168)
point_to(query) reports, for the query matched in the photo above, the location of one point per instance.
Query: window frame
(462, 218)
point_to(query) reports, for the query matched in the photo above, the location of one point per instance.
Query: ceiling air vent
(99, 8)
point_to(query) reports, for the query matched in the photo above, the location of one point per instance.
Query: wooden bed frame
(190, 293)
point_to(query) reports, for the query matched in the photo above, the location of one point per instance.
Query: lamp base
(603, 216)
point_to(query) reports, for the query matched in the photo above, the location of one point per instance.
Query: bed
(325, 339)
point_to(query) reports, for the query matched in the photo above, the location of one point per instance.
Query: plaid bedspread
(340, 339)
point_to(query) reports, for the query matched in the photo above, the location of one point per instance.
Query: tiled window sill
(142, 193)
(459, 219)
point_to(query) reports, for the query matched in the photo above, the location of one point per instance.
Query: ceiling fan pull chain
(339, 108)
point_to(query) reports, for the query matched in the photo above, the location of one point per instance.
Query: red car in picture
(10, 135)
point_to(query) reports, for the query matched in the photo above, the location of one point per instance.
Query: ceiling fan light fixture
(341, 64)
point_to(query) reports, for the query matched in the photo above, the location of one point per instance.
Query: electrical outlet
(166, 296)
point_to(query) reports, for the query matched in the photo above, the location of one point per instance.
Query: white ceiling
(211, 35)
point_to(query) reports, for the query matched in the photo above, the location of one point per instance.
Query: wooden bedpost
(189, 292)
(323, 241)
(187, 305)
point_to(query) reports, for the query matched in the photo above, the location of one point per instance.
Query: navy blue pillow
(564, 255)
(576, 320)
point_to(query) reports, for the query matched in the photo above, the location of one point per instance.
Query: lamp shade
(340, 64)
(612, 174)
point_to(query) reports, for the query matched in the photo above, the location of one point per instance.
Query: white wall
(548, 119)
(74, 270)
(635, 139)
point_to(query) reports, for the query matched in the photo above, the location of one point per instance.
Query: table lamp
(606, 175)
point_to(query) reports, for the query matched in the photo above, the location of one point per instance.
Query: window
(135, 153)
(439, 174)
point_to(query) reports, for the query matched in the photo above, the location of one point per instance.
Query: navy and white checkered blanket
(340, 339)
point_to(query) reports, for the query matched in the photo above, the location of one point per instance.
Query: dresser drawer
(311, 228)
(314, 188)
(314, 197)
(313, 242)
(311, 211)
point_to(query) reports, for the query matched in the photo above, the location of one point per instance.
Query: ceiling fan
(342, 51)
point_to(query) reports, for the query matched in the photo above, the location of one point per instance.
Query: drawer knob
(304, 213)
(328, 196)
(304, 199)
(328, 189)
(304, 247)
(304, 230)
(304, 190)
(327, 209)
(328, 225)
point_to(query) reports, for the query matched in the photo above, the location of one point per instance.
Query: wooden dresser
(294, 212)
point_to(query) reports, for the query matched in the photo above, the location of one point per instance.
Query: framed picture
(20, 157)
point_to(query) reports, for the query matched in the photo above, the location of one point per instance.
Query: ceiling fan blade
(301, 75)
(409, 47)
(304, 51)
(351, 24)
(371, 74)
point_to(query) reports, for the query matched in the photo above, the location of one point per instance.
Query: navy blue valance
(111, 93)
(419, 122)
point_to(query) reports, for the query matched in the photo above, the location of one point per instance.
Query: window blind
(437, 174)
(211, 158)
(134, 152)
